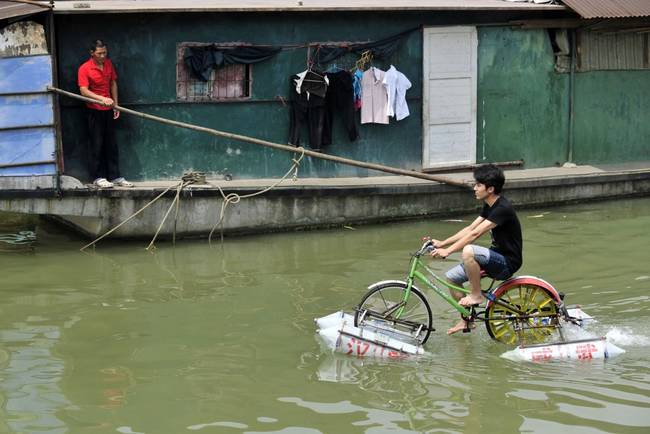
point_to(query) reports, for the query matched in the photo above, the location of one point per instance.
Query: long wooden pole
(287, 148)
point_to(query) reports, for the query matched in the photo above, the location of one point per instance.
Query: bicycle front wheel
(389, 305)
(524, 313)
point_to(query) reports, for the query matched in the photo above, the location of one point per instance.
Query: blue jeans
(492, 262)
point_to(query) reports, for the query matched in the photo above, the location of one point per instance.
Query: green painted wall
(612, 117)
(143, 47)
(523, 105)
(522, 102)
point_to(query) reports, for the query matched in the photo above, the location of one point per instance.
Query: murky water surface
(221, 340)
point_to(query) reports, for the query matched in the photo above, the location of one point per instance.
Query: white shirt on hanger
(396, 85)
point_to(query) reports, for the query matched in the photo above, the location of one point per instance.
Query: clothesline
(201, 60)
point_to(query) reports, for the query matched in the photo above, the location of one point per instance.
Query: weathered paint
(26, 145)
(23, 38)
(523, 106)
(522, 102)
(33, 110)
(612, 120)
(146, 68)
(26, 116)
(25, 74)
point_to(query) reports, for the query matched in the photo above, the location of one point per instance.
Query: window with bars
(227, 83)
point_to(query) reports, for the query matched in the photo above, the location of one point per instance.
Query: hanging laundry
(311, 81)
(339, 101)
(374, 98)
(307, 108)
(396, 85)
(356, 86)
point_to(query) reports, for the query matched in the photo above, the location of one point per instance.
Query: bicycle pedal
(467, 330)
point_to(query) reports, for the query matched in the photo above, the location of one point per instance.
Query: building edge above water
(308, 203)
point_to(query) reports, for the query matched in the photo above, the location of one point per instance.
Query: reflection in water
(30, 377)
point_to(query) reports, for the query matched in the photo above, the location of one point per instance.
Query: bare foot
(470, 300)
(462, 325)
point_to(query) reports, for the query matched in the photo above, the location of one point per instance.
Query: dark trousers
(307, 112)
(339, 99)
(103, 156)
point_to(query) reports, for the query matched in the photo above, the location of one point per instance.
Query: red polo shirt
(97, 80)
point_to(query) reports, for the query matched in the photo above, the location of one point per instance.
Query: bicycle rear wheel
(534, 324)
(388, 305)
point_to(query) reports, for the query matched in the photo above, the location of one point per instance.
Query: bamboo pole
(287, 148)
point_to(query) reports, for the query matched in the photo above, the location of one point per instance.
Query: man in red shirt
(97, 79)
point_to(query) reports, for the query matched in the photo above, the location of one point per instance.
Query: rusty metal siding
(15, 9)
(612, 51)
(610, 8)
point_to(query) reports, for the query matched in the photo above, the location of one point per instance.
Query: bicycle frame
(415, 274)
(521, 312)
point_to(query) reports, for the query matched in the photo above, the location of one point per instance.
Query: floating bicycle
(521, 310)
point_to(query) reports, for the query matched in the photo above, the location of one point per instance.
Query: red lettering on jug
(357, 346)
(350, 346)
(542, 355)
(585, 351)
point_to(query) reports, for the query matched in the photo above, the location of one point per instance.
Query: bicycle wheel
(534, 324)
(384, 306)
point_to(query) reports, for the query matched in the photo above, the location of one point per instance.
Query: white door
(449, 110)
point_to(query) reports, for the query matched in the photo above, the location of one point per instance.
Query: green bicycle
(523, 309)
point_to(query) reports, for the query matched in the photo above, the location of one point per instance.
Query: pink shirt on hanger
(374, 98)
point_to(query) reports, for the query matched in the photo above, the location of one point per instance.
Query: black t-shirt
(506, 236)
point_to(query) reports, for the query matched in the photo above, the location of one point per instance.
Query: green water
(222, 340)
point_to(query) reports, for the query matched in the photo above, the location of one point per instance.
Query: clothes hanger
(366, 57)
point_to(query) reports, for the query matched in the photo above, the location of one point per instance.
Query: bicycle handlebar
(427, 247)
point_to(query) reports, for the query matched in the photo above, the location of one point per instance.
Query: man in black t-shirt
(502, 259)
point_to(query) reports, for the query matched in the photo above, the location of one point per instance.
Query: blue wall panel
(32, 110)
(26, 116)
(25, 74)
(24, 146)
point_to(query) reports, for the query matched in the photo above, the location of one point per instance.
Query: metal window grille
(227, 83)
(612, 51)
